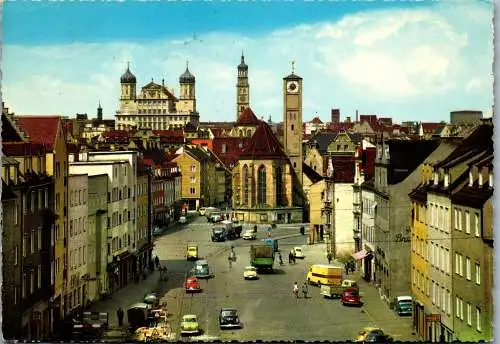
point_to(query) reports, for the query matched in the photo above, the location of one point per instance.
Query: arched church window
(245, 184)
(279, 186)
(261, 186)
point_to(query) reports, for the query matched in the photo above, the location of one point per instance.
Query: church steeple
(99, 111)
(242, 88)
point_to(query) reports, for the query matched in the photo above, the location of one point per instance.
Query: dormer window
(471, 178)
(480, 179)
(446, 179)
(436, 178)
(490, 179)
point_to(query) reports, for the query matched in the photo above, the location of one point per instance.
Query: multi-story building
(77, 288)
(156, 107)
(368, 207)
(119, 251)
(97, 236)
(395, 177)
(433, 235)
(33, 188)
(473, 251)
(48, 131)
(143, 213)
(12, 213)
(194, 163)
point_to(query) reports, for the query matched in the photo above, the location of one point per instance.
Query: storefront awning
(360, 254)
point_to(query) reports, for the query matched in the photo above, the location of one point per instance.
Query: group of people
(305, 290)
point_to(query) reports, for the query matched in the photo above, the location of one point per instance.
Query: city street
(267, 308)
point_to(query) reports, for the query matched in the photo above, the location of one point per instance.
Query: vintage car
(189, 325)
(250, 272)
(297, 252)
(249, 235)
(351, 297)
(192, 285)
(228, 318)
(372, 335)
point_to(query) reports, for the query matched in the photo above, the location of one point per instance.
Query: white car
(249, 235)
(182, 219)
(250, 273)
(297, 252)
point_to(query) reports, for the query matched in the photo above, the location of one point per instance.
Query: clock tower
(292, 121)
(242, 88)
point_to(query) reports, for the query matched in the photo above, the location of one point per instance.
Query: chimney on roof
(348, 119)
(163, 82)
(357, 116)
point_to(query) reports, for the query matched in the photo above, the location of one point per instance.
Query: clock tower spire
(242, 88)
(292, 122)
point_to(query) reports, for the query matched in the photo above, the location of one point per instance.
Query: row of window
(38, 199)
(459, 313)
(118, 194)
(463, 219)
(368, 233)
(77, 197)
(459, 268)
(439, 217)
(31, 244)
(122, 168)
(78, 257)
(117, 243)
(117, 219)
(77, 226)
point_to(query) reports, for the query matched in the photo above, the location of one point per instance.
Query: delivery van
(325, 274)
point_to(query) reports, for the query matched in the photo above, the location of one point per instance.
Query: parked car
(403, 305)
(202, 211)
(192, 285)
(189, 325)
(182, 219)
(297, 252)
(351, 297)
(228, 318)
(250, 272)
(372, 335)
(249, 235)
(218, 234)
(151, 299)
(192, 252)
(157, 230)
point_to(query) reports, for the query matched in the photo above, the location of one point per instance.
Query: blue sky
(406, 60)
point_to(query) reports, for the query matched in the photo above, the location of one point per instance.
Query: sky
(406, 60)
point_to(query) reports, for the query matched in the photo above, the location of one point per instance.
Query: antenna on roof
(293, 67)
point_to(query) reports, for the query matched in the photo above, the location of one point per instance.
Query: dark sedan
(228, 318)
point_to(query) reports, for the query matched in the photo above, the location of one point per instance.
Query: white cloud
(409, 64)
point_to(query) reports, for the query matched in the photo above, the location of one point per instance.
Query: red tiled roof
(233, 147)
(263, 145)
(316, 120)
(176, 133)
(430, 127)
(338, 127)
(22, 148)
(40, 129)
(247, 117)
(343, 167)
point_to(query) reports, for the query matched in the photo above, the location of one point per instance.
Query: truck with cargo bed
(262, 256)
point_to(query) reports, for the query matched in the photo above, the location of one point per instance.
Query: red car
(192, 285)
(351, 297)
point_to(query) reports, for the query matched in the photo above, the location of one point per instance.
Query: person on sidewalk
(157, 262)
(304, 290)
(329, 257)
(119, 314)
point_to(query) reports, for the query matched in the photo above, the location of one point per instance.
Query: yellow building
(419, 258)
(316, 209)
(48, 130)
(198, 174)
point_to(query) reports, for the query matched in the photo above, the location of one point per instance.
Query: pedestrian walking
(290, 258)
(296, 290)
(157, 262)
(346, 268)
(304, 290)
(329, 257)
(119, 314)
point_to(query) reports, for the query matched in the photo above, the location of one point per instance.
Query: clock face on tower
(292, 87)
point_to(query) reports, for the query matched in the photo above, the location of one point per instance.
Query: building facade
(156, 107)
(78, 262)
(97, 236)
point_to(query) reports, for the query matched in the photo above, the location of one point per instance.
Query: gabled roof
(10, 132)
(316, 120)
(247, 117)
(313, 176)
(472, 196)
(263, 145)
(321, 140)
(228, 149)
(40, 129)
(22, 148)
(430, 127)
(343, 168)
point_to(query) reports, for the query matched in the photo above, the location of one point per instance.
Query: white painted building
(76, 289)
(119, 242)
(368, 206)
(342, 215)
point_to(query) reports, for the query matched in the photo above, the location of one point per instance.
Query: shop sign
(433, 318)
(401, 238)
